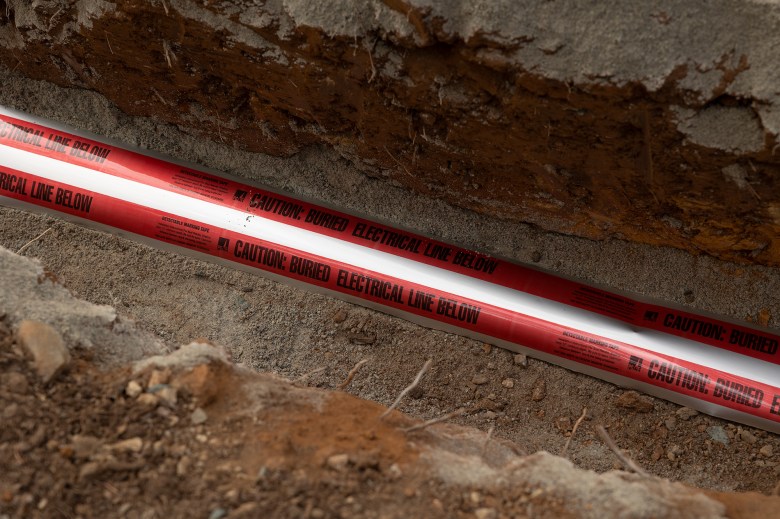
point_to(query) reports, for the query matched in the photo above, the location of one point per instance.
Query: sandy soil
(272, 327)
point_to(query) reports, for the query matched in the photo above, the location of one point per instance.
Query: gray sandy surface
(273, 327)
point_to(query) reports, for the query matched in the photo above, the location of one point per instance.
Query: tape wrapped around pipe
(713, 364)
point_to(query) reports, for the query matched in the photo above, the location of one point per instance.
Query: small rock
(672, 452)
(183, 466)
(89, 469)
(657, 453)
(485, 513)
(766, 451)
(148, 400)
(540, 390)
(362, 338)
(198, 416)
(487, 348)
(10, 411)
(508, 383)
(521, 360)
(130, 445)
(686, 413)
(338, 462)
(747, 436)
(16, 382)
(718, 434)
(159, 377)
(536, 256)
(133, 389)
(218, 513)
(45, 346)
(417, 392)
(479, 379)
(635, 402)
(84, 446)
(670, 423)
(245, 510)
(165, 393)
(339, 317)
(394, 471)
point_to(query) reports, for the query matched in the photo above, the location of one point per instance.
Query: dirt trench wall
(656, 123)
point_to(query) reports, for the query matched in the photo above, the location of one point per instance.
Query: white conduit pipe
(710, 363)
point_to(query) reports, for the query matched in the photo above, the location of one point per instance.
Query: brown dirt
(469, 128)
(84, 446)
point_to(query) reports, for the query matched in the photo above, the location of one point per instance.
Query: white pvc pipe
(710, 363)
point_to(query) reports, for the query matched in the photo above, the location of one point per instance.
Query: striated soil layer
(654, 124)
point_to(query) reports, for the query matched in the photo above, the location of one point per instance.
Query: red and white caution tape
(709, 363)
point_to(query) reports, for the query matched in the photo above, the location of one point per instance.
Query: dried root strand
(305, 376)
(26, 245)
(574, 430)
(628, 462)
(352, 374)
(408, 389)
(433, 421)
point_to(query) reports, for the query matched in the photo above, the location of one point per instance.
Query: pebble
(508, 383)
(485, 513)
(718, 434)
(479, 379)
(339, 317)
(148, 400)
(218, 513)
(183, 466)
(84, 446)
(130, 445)
(521, 360)
(10, 411)
(133, 389)
(245, 510)
(158, 377)
(16, 382)
(540, 390)
(635, 402)
(672, 452)
(747, 436)
(686, 413)
(167, 395)
(45, 346)
(657, 453)
(338, 461)
(198, 416)
(394, 471)
(766, 451)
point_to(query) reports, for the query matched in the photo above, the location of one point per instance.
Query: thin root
(486, 443)
(397, 161)
(628, 462)
(434, 421)
(408, 389)
(305, 376)
(352, 374)
(24, 247)
(574, 430)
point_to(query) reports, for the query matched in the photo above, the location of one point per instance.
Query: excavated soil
(194, 436)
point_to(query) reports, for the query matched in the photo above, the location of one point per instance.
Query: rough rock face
(656, 123)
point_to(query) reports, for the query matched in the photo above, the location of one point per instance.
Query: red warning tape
(709, 363)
